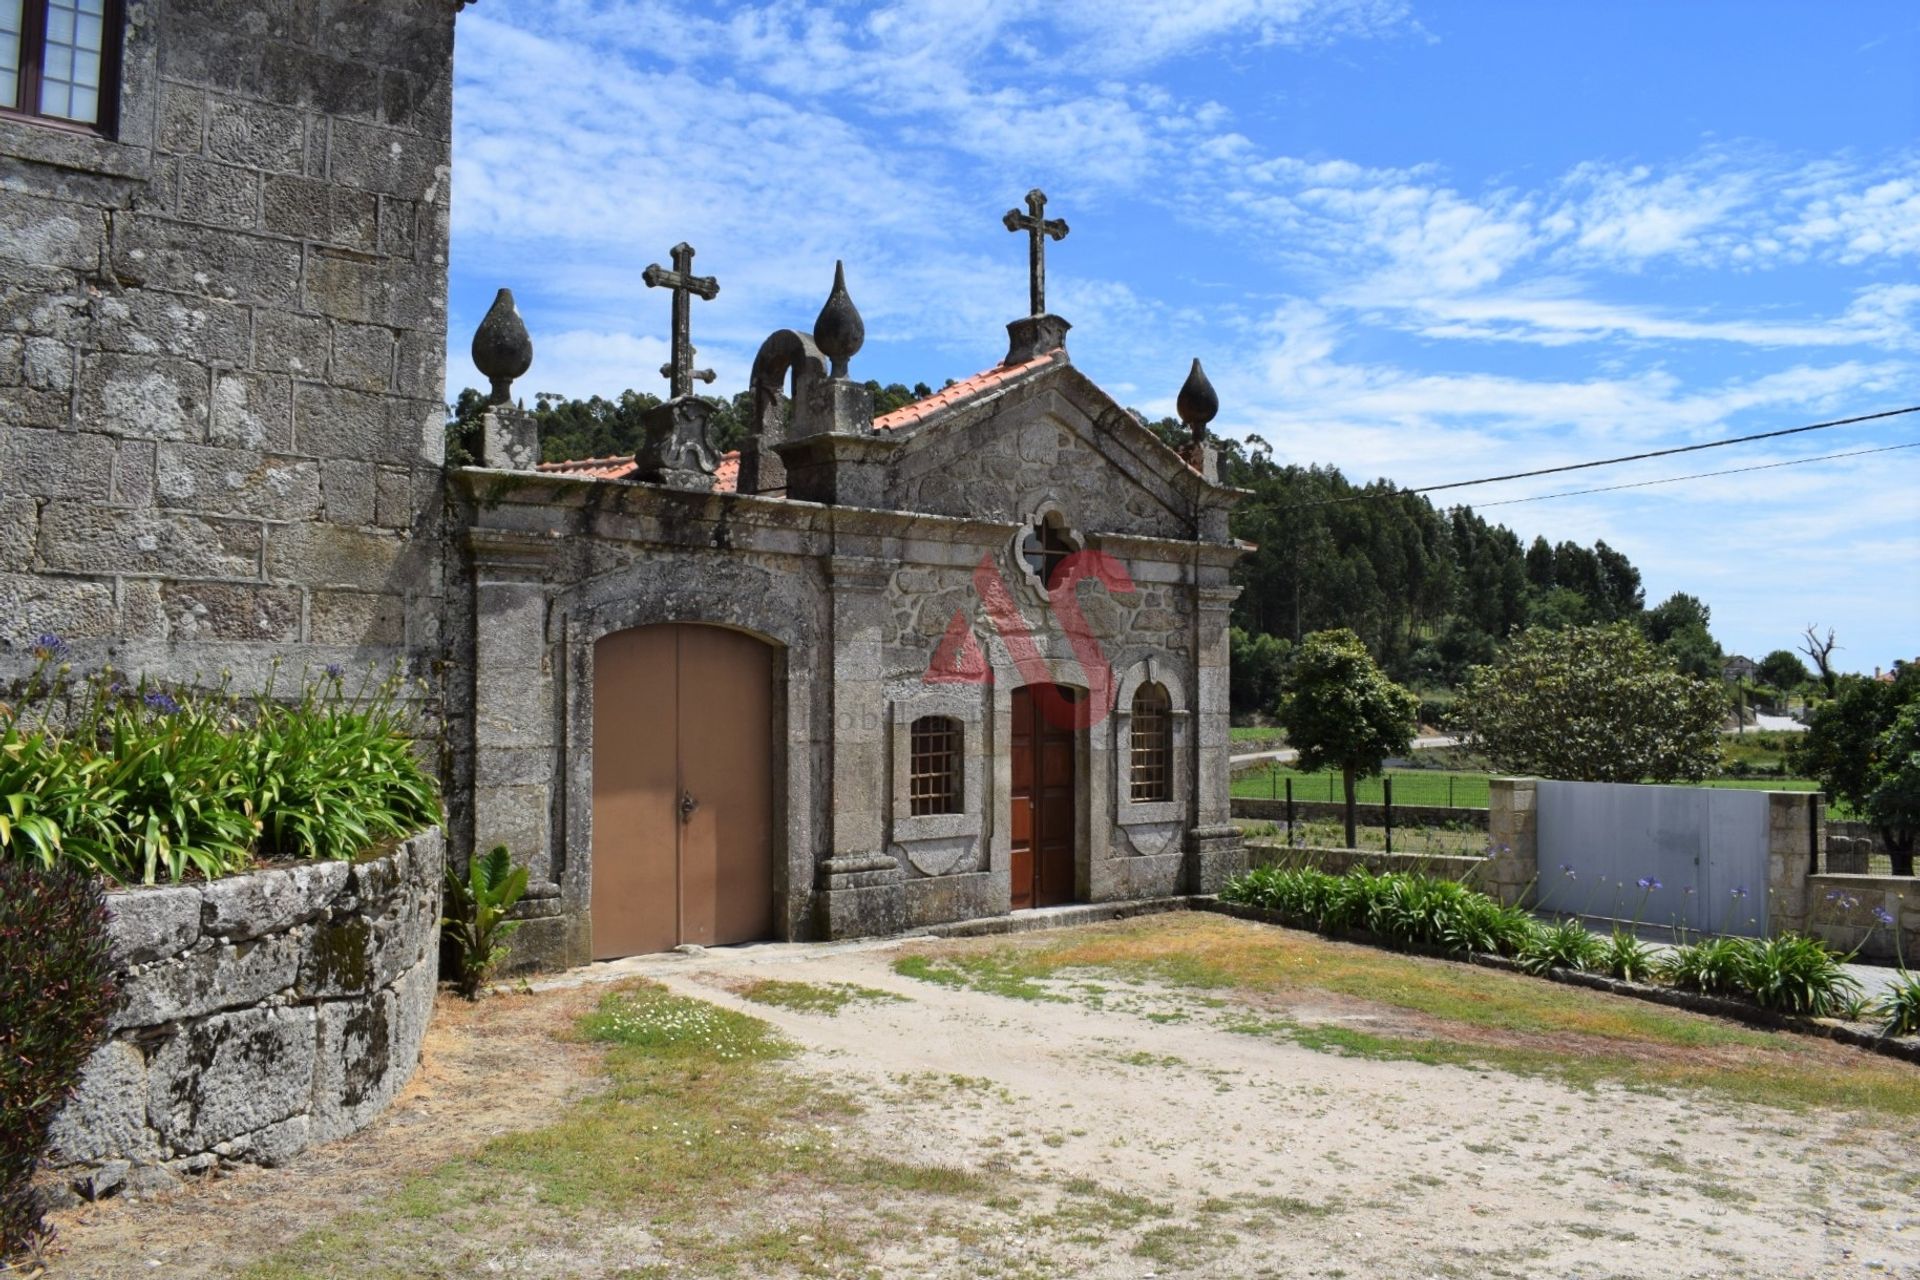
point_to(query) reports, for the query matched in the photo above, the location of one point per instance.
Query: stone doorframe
(1092, 772)
(583, 622)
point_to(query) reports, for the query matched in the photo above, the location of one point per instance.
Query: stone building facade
(868, 674)
(222, 338)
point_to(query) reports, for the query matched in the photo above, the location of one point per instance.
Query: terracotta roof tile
(726, 476)
(966, 389)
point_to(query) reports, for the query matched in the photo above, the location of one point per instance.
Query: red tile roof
(726, 476)
(966, 389)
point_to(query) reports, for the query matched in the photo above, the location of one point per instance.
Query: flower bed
(140, 783)
(1790, 977)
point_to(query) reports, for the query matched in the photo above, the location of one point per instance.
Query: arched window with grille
(934, 764)
(1152, 746)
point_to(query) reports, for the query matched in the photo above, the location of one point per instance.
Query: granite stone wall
(260, 1014)
(222, 338)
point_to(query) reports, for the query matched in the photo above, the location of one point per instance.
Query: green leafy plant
(1900, 1006)
(1342, 712)
(1794, 973)
(139, 782)
(475, 924)
(1567, 945)
(1402, 907)
(56, 992)
(1626, 957)
(1712, 966)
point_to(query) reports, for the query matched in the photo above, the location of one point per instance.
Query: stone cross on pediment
(1038, 227)
(679, 368)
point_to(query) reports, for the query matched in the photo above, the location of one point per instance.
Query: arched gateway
(682, 789)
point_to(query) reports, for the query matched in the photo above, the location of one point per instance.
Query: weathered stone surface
(155, 397)
(256, 135)
(354, 1078)
(107, 1117)
(230, 611)
(227, 481)
(56, 464)
(230, 1074)
(210, 977)
(251, 411)
(264, 902)
(144, 925)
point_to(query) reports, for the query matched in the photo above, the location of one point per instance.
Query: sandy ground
(1133, 1135)
(1405, 1169)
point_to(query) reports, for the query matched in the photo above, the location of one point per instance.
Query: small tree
(1593, 704)
(1342, 712)
(1783, 670)
(1852, 746)
(1894, 803)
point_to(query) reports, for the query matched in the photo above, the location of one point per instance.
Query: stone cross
(679, 369)
(1038, 227)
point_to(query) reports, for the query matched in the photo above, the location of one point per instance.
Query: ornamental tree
(1341, 712)
(1852, 746)
(1894, 803)
(1592, 704)
(1783, 670)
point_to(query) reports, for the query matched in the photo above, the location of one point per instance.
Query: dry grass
(1436, 1011)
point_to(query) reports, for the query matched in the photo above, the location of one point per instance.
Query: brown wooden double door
(1043, 801)
(682, 789)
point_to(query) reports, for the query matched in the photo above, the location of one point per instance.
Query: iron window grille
(60, 62)
(1152, 745)
(1045, 547)
(933, 778)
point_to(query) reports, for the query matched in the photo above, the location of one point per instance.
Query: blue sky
(1425, 241)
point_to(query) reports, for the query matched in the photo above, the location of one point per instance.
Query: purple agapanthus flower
(1566, 869)
(1741, 892)
(1883, 916)
(162, 702)
(49, 647)
(335, 671)
(1648, 882)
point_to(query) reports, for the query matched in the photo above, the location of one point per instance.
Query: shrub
(1794, 973)
(56, 992)
(1626, 957)
(1712, 966)
(1403, 907)
(475, 925)
(1567, 945)
(139, 783)
(1900, 1006)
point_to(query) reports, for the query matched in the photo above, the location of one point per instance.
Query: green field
(1455, 789)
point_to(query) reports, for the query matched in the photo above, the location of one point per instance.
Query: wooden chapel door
(1042, 802)
(682, 789)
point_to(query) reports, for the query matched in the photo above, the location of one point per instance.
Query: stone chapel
(866, 674)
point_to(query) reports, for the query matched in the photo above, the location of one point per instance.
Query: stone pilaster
(517, 731)
(509, 440)
(860, 883)
(1513, 840)
(1793, 825)
(1215, 850)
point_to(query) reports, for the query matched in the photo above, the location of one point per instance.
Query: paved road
(1287, 755)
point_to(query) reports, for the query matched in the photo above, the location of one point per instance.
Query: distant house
(1739, 668)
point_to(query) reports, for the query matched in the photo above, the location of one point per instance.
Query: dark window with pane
(1045, 547)
(1152, 744)
(59, 60)
(933, 776)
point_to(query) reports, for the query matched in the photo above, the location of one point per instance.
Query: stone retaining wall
(1365, 815)
(1338, 861)
(260, 1014)
(1840, 909)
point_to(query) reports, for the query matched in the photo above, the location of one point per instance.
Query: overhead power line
(1610, 462)
(1702, 475)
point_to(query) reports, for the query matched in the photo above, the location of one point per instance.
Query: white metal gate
(1700, 851)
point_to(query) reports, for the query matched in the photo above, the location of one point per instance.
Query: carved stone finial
(502, 349)
(1198, 403)
(679, 370)
(1038, 227)
(839, 332)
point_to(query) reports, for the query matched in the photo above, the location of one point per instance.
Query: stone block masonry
(222, 336)
(260, 1014)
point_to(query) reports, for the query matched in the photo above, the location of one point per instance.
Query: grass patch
(1486, 1018)
(697, 1126)
(998, 973)
(813, 997)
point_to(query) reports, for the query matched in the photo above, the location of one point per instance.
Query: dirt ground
(1136, 1133)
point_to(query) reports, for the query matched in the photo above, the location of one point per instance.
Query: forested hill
(1431, 591)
